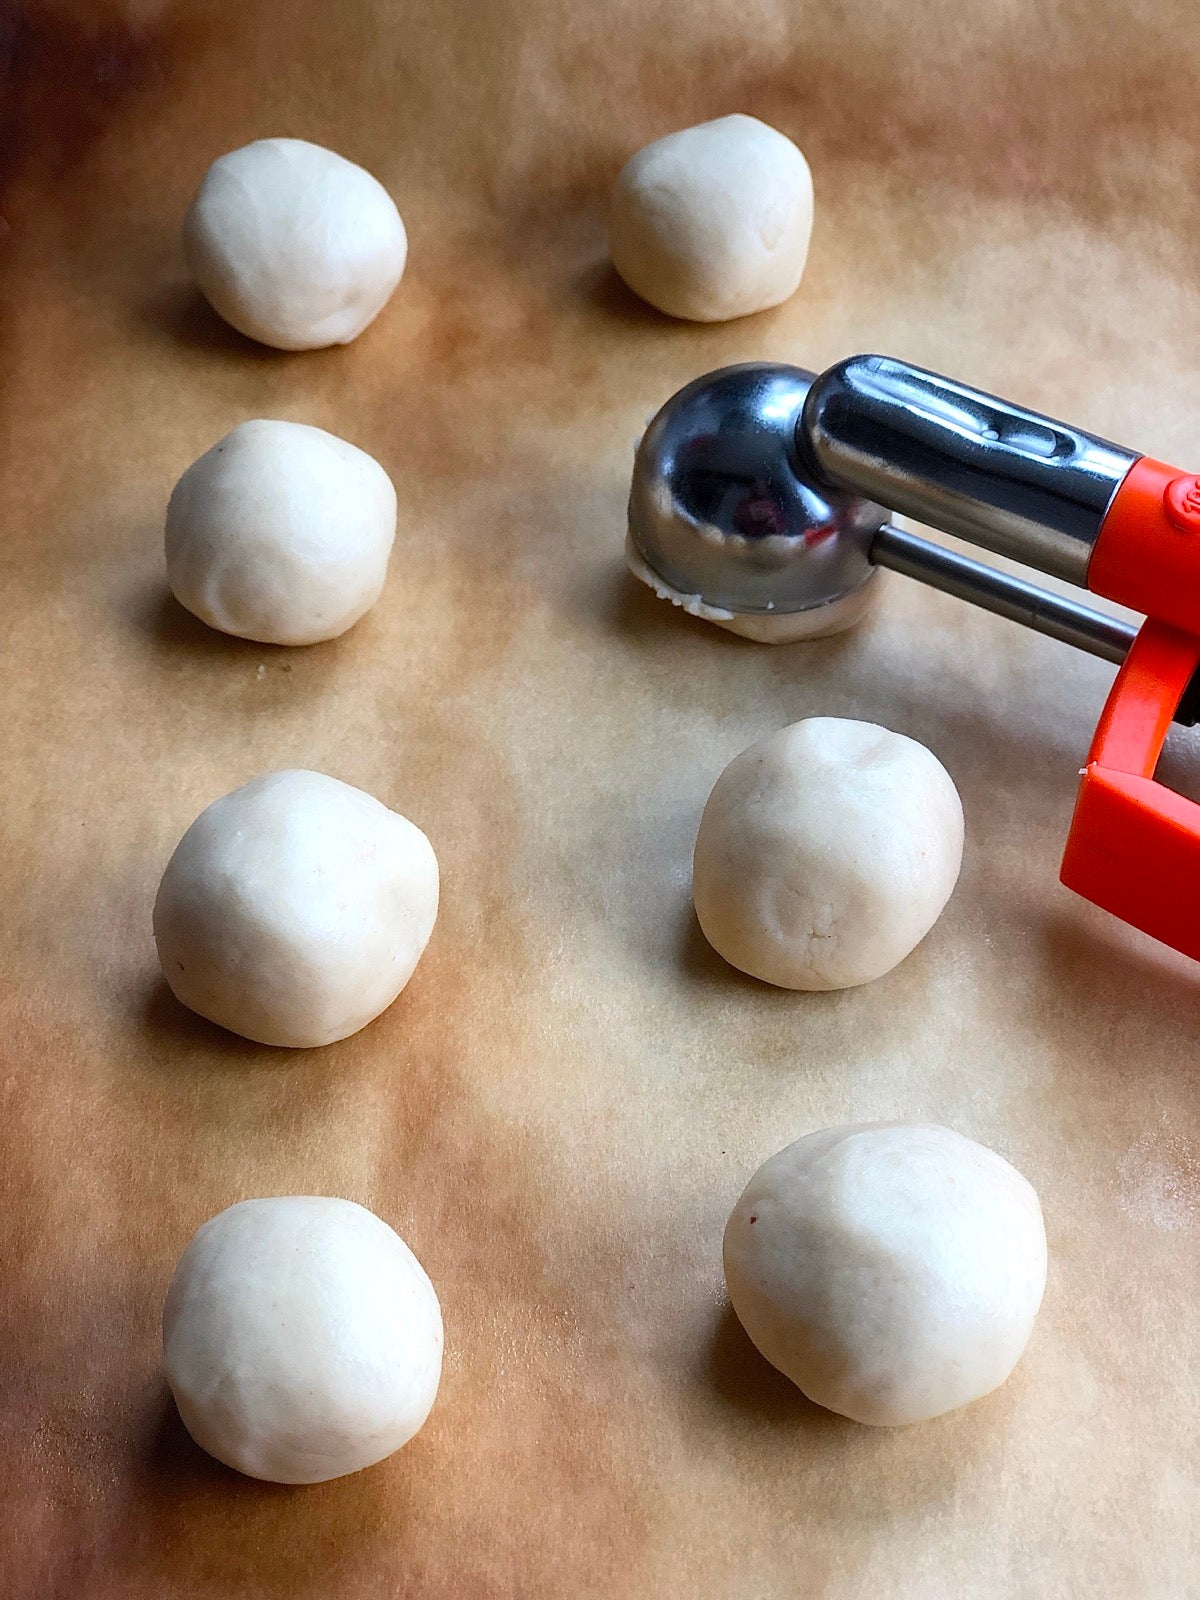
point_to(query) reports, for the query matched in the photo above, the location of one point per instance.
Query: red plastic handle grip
(1147, 553)
(1134, 845)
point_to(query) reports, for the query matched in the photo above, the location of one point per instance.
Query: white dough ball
(713, 222)
(302, 1339)
(295, 909)
(280, 533)
(891, 1270)
(295, 246)
(826, 853)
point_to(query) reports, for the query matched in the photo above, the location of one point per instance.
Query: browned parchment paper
(561, 1109)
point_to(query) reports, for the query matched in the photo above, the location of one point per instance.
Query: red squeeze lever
(1134, 845)
(1053, 497)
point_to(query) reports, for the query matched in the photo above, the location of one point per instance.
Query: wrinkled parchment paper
(561, 1109)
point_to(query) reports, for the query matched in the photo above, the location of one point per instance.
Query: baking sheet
(561, 1109)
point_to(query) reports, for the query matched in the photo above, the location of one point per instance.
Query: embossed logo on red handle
(1181, 500)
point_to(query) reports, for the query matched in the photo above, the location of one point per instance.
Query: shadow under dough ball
(294, 245)
(891, 1270)
(295, 909)
(281, 533)
(826, 853)
(714, 221)
(302, 1339)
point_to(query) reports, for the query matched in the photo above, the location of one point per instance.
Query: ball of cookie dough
(294, 910)
(713, 222)
(302, 1339)
(295, 246)
(891, 1270)
(826, 852)
(281, 532)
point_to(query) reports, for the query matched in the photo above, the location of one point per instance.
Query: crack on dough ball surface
(714, 221)
(294, 910)
(302, 1339)
(280, 533)
(294, 245)
(825, 854)
(891, 1270)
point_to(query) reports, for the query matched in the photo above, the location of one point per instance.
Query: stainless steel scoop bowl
(724, 511)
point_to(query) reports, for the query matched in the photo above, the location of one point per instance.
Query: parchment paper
(563, 1106)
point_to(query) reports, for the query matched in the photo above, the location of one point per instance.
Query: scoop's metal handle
(1007, 479)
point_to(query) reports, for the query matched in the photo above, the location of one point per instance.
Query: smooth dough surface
(294, 245)
(302, 1339)
(826, 853)
(714, 221)
(295, 909)
(891, 1270)
(281, 532)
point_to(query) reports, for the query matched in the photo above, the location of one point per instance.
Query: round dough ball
(302, 1339)
(713, 222)
(826, 853)
(280, 533)
(891, 1270)
(295, 246)
(294, 910)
